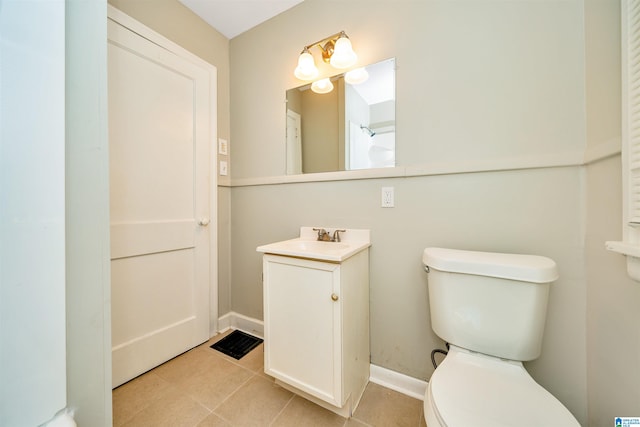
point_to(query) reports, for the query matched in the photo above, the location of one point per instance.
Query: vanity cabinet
(316, 324)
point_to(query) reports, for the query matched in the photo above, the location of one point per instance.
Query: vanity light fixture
(336, 50)
(322, 86)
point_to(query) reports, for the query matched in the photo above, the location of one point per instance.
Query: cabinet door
(303, 325)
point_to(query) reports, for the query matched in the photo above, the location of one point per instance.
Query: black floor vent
(237, 344)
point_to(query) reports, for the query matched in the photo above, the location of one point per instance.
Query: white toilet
(491, 309)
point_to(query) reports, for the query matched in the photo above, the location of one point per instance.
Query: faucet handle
(336, 235)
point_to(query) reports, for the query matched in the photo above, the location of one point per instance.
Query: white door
(159, 139)
(294, 143)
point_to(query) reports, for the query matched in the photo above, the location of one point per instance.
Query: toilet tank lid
(527, 268)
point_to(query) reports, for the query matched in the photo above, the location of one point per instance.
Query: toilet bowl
(491, 309)
(472, 389)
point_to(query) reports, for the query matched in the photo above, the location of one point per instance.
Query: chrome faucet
(324, 236)
(336, 235)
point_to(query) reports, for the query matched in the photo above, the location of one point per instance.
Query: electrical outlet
(387, 197)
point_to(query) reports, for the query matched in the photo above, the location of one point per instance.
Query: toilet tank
(491, 303)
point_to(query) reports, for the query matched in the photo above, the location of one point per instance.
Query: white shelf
(624, 248)
(632, 252)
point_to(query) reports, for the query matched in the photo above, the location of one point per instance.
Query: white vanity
(316, 316)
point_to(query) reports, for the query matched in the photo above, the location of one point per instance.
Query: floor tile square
(256, 403)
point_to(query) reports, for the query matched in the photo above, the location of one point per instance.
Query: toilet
(490, 308)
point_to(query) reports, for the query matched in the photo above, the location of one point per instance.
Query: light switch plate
(223, 146)
(223, 168)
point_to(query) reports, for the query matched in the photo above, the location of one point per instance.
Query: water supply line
(437, 350)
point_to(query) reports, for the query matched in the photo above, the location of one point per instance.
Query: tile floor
(205, 388)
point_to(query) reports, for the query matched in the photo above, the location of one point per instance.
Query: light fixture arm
(326, 45)
(332, 38)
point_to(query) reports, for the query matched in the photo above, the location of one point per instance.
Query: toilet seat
(472, 389)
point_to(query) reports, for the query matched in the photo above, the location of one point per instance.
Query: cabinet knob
(334, 297)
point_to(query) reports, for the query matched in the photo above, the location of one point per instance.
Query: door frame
(126, 21)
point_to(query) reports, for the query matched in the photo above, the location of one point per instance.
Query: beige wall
(602, 74)
(480, 85)
(613, 341)
(179, 24)
(533, 211)
(322, 127)
(491, 81)
(613, 345)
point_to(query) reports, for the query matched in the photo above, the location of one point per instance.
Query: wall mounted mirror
(351, 127)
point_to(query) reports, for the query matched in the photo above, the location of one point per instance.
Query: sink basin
(307, 247)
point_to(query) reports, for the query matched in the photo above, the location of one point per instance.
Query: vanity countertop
(351, 242)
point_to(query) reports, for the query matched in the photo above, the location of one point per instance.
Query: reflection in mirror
(352, 127)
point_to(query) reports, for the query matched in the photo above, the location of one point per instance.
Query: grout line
(231, 394)
(282, 410)
(361, 422)
(223, 418)
(254, 375)
(236, 361)
(147, 402)
(209, 412)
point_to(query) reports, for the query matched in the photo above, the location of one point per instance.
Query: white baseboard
(401, 383)
(385, 377)
(233, 320)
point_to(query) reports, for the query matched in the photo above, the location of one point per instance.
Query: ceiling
(234, 17)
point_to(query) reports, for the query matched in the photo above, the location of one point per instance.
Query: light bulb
(343, 54)
(306, 69)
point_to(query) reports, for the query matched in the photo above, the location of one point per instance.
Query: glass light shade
(356, 76)
(306, 69)
(322, 86)
(343, 54)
